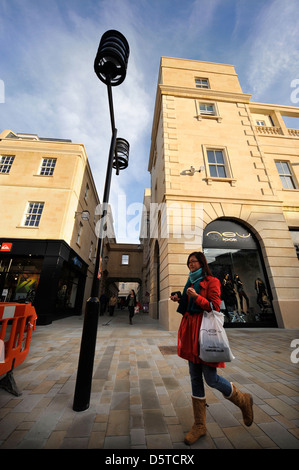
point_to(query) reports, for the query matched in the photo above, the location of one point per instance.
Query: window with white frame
(47, 166)
(206, 108)
(6, 162)
(286, 174)
(125, 259)
(202, 83)
(217, 165)
(79, 233)
(33, 214)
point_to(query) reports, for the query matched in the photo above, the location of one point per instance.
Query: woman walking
(201, 289)
(131, 304)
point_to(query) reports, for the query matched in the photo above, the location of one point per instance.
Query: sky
(48, 85)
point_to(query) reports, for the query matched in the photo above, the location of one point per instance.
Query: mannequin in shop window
(261, 293)
(240, 290)
(228, 294)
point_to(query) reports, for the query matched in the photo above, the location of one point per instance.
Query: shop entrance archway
(234, 257)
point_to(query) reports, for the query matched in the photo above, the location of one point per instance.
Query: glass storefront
(234, 258)
(67, 289)
(47, 273)
(19, 278)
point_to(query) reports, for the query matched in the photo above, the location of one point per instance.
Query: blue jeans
(198, 371)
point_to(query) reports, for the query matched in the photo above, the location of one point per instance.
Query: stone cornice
(201, 93)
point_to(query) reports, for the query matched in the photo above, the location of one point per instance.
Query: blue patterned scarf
(189, 306)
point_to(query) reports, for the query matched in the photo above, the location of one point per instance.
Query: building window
(260, 123)
(79, 233)
(216, 163)
(33, 214)
(286, 175)
(125, 259)
(90, 250)
(86, 192)
(295, 237)
(47, 166)
(6, 162)
(206, 108)
(202, 83)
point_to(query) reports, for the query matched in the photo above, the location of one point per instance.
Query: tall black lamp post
(110, 65)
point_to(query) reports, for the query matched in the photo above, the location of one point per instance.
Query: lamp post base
(86, 358)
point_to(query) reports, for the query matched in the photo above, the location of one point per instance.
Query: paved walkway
(141, 391)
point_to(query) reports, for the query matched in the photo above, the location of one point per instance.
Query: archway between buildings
(235, 258)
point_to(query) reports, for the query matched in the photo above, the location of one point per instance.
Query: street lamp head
(121, 159)
(111, 60)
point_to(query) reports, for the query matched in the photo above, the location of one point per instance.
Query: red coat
(188, 334)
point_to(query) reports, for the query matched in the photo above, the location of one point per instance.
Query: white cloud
(51, 88)
(274, 47)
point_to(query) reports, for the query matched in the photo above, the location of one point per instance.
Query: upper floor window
(286, 174)
(90, 250)
(6, 162)
(86, 191)
(33, 214)
(216, 162)
(79, 233)
(260, 123)
(217, 165)
(202, 83)
(47, 166)
(125, 259)
(207, 109)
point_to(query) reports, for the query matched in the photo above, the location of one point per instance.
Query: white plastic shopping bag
(213, 341)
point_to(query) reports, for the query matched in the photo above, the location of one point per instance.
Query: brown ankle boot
(245, 402)
(199, 427)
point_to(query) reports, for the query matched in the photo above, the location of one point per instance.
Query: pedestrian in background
(111, 305)
(131, 304)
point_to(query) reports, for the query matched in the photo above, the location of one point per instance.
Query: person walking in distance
(131, 304)
(201, 289)
(112, 303)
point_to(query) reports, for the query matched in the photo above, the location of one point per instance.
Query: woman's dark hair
(203, 262)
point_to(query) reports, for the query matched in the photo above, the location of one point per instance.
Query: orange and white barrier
(17, 322)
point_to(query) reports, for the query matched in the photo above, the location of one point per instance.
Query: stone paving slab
(141, 394)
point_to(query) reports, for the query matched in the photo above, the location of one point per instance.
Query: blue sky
(50, 88)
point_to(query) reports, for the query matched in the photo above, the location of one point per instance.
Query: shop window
(33, 214)
(47, 166)
(19, 278)
(6, 162)
(286, 174)
(234, 258)
(67, 289)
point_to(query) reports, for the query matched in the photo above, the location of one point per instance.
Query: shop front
(234, 257)
(47, 273)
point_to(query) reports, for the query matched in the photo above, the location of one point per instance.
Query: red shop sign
(6, 246)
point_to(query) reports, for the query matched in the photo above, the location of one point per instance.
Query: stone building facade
(225, 180)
